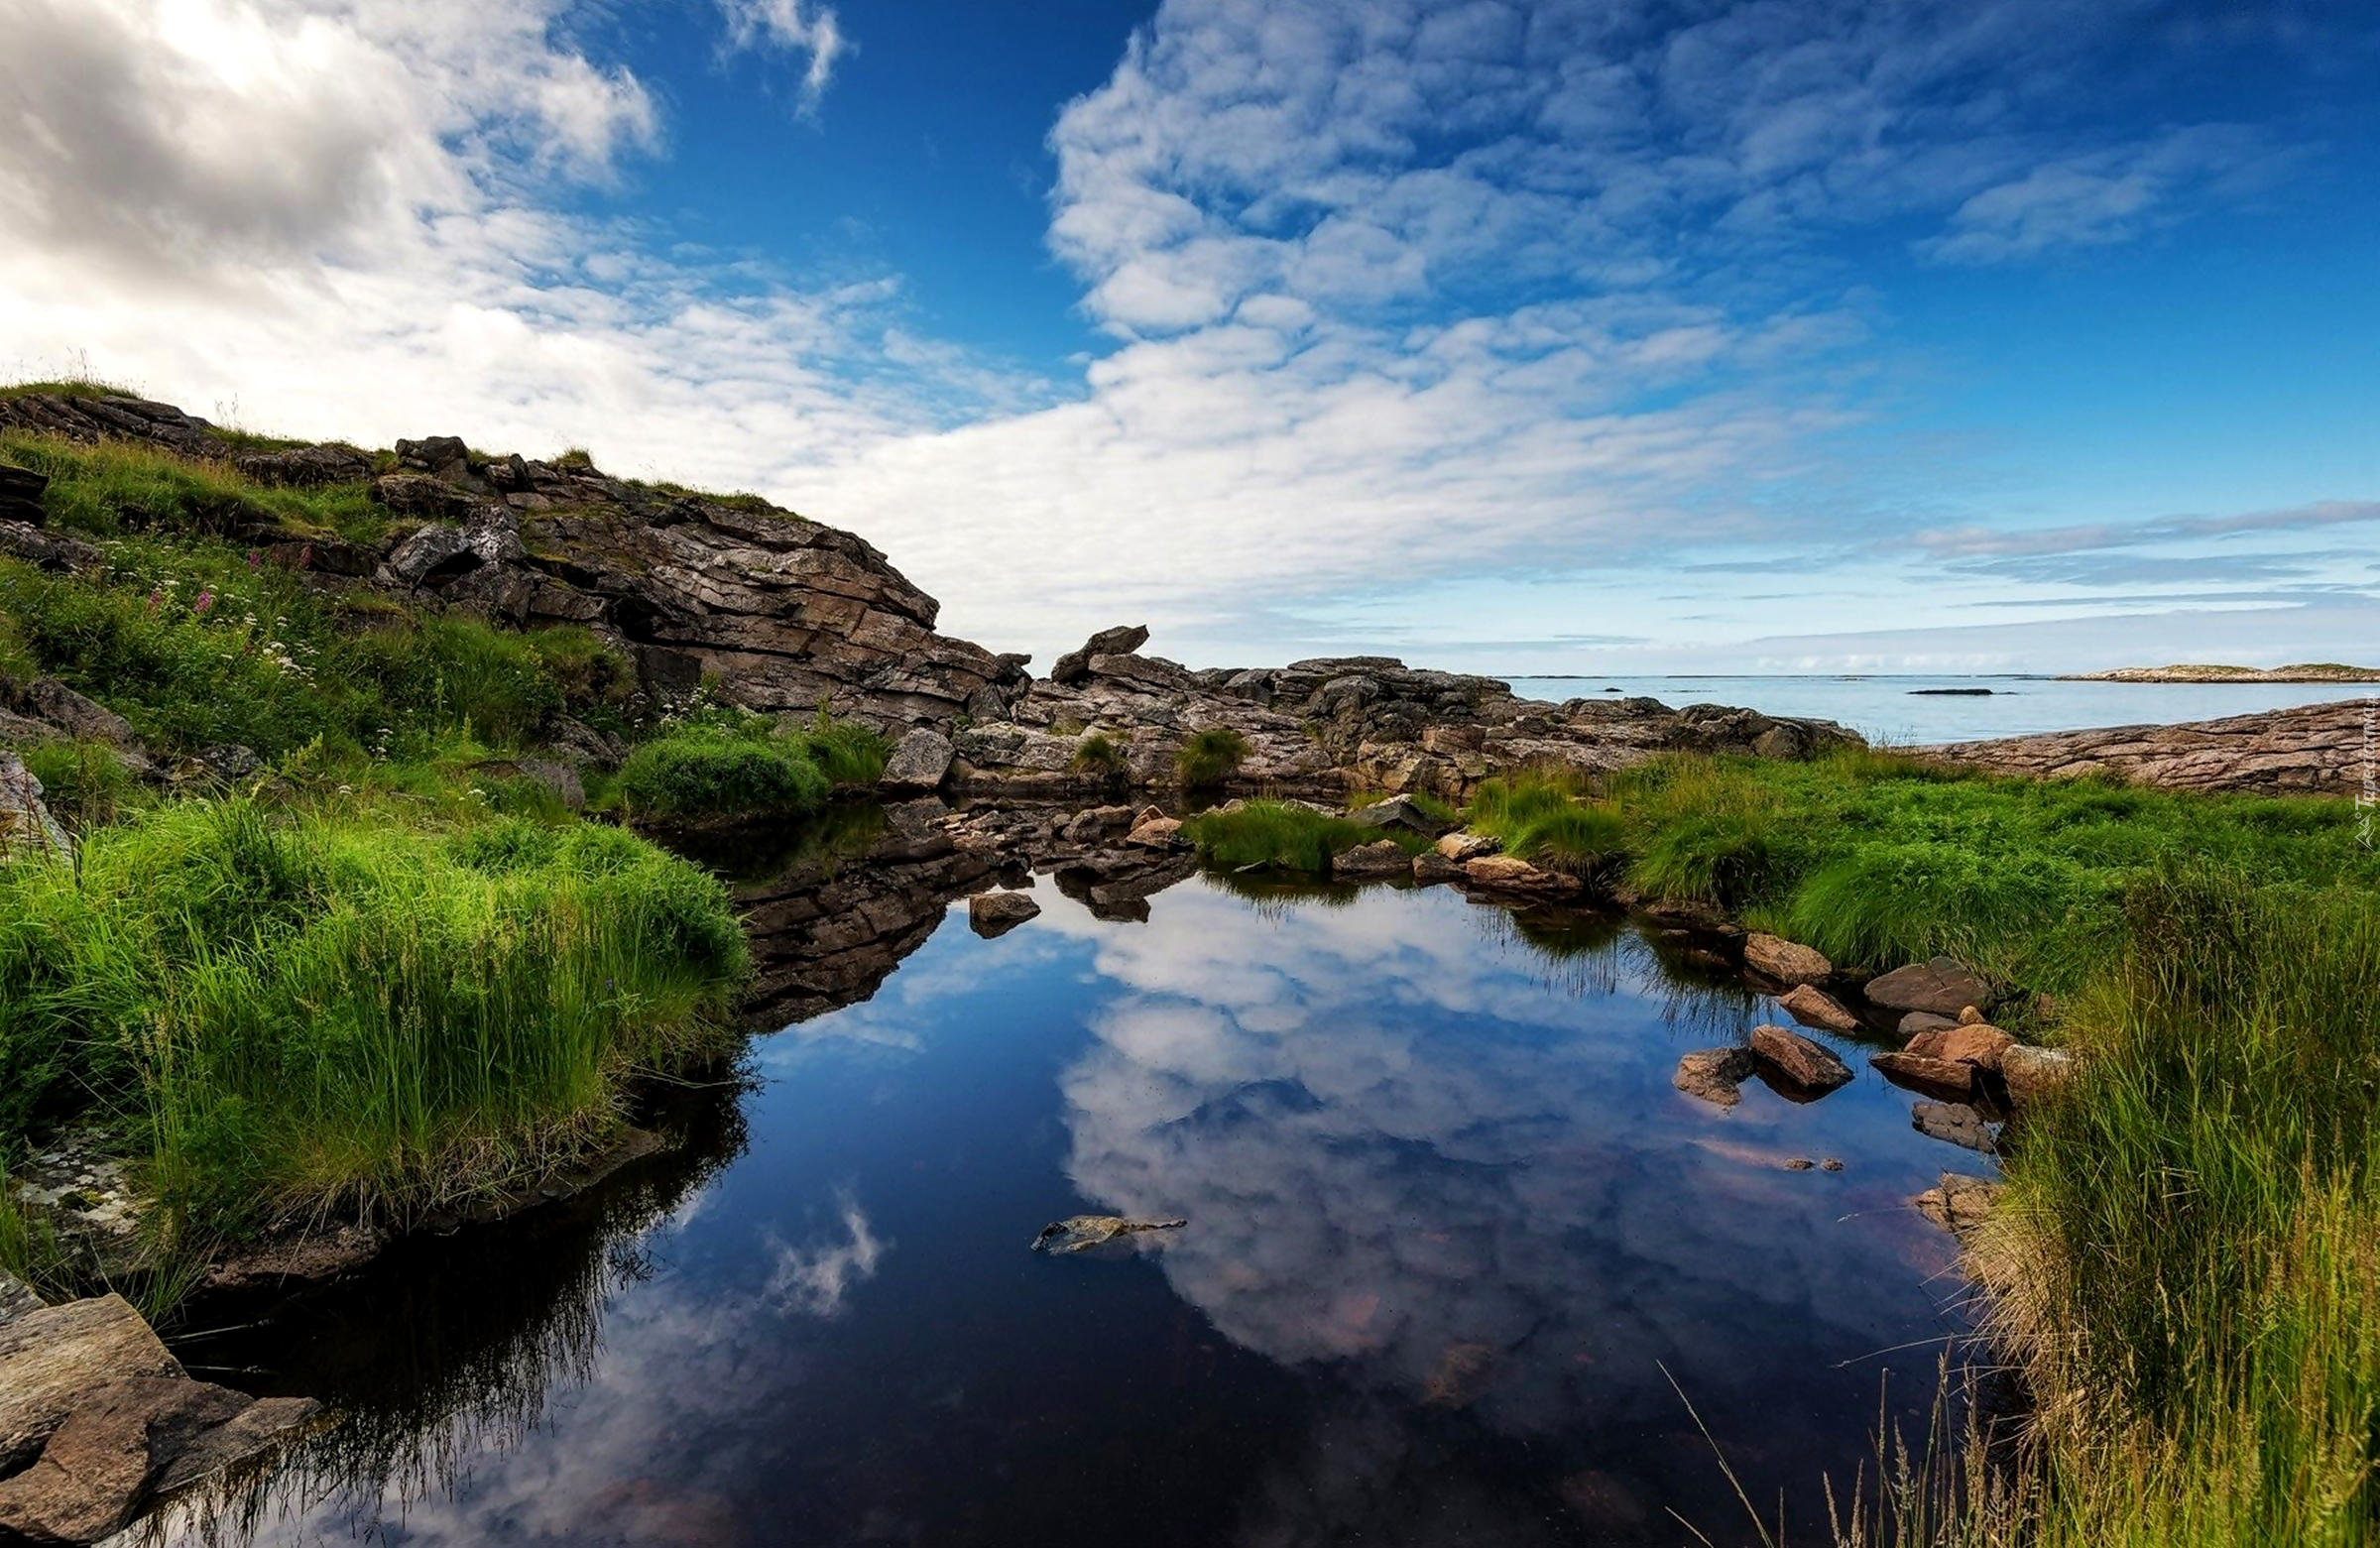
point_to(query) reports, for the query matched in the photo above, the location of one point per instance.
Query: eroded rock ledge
(2313, 750)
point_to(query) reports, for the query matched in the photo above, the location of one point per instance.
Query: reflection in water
(1449, 1229)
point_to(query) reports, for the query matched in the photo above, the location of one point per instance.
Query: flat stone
(1784, 961)
(1368, 862)
(1802, 1063)
(1463, 848)
(1955, 1123)
(1921, 1072)
(1969, 1042)
(1156, 833)
(1431, 868)
(1503, 873)
(1940, 986)
(992, 914)
(1715, 1074)
(1814, 1006)
(920, 762)
(51, 1357)
(1916, 1022)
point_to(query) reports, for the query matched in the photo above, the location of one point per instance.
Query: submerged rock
(1959, 1203)
(1371, 861)
(1715, 1074)
(1080, 1233)
(1955, 1123)
(1808, 1065)
(993, 914)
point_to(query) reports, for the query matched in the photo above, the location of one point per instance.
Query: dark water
(1452, 1239)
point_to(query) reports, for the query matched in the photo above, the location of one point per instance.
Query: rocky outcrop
(993, 915)
(1323, 725)
(26, 826)
(783, 613)
(20, 495)
(2311, 750)
(2303, 672)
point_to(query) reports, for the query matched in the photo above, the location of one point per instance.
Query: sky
(1594, 337)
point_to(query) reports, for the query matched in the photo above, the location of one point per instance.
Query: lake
(1891, 708)
(1456, 1260)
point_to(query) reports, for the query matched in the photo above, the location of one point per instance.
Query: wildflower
(157, 598)
(207, 599)
(255, 559)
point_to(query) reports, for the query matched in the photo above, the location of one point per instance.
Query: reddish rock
(1969, 1042)
(1503, 873)
(1814, 1006)
(1940, 986)
(1714, 1074)
(1779, 959)
(1802, 1063)
(1934, 1077)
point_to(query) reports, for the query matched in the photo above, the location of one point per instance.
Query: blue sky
(1571, 335)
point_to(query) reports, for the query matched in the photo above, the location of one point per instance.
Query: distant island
(2305, 671)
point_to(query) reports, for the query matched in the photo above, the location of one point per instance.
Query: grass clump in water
(707, 769)
(292, 1013)
(845, 751)
(1280, 834)
(1211, 756)
(1547, 819)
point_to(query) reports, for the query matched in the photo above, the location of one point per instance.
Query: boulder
(1955, 1123)
(992, 914)
(1940, 986)
(1959, 1203)
(1784, 961)
(1156, 833)
(26, 826)
(49, 550)
(1969, 1042)
(1089, 827)
(920, 762)
(1803, 1064)
(1715, 1074)
(1503, 873)
(1925, 1073)
(305, 466)
(1814, 1006)
(50, 1358)
(1463, 848)
(1431, 868)
(230, 763)
(1398, 811)
(1075, 666)
(130, 1439)
(560, 778)
(16, 1298)
(1916, 1022)
(2032, 1073)
(1368, 862)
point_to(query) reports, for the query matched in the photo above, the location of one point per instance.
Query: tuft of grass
(845, 751)
(1546, 817)
(288, 1015)
(1099, 757)
(700, 772)
(1211, 756)
(1278, 834)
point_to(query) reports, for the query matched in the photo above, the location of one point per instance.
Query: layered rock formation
(784, 613)
(1121, 717)
(2313, 750)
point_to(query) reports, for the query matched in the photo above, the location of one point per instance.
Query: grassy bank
(2185, 1266)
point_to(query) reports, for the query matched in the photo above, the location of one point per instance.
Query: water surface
(1456, 1249)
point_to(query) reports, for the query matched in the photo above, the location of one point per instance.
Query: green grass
(113, 488)
(1099, 757)
(1275, 834)
(287, 1013)
(845, 751)
(708, 770)
(1210, 757)
(1546, 818)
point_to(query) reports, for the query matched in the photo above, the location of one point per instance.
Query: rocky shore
(2313, 750)
(2305, 671)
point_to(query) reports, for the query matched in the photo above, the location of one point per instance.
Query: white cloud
(794, 27)
(816, 1280)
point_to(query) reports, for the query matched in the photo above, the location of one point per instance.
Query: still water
(1899, 709)
(1457, 1257)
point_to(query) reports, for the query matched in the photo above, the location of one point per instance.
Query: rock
(1149, 814)
(1923, 1072)
(1398, 811)
(1969, 1042)
(51, 1357)
(1916, 1022)
(230, 763)
(1714, 1074)
(305, 466)
(131, 1438)
(1959, 1203)
(1691, 913)
(1953, 1123)
(50, 701)
(1814, 1006)
(1088, 827)
(920, 762)
(2033, 1073)
(26, 826)
(1431, 868)
(16, 1298)
(582, 743)
(1804, 1064)
(1156, 833)
(2312, 749)
(1080, 1232)
(1368, 862)
(20, 495)
(1940, 986)
(1503, 873)
(1075, 666)
(559, 779)
(1782, 961)
(992, 914)
(49, 550)
(1463, 848)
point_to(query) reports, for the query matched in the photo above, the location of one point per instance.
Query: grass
(1277, 834)
(1546, 818)
(288, 1013)
(1100, 759)
(1210, 757)
(709, 770)
(111, 488)
(845, 751)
